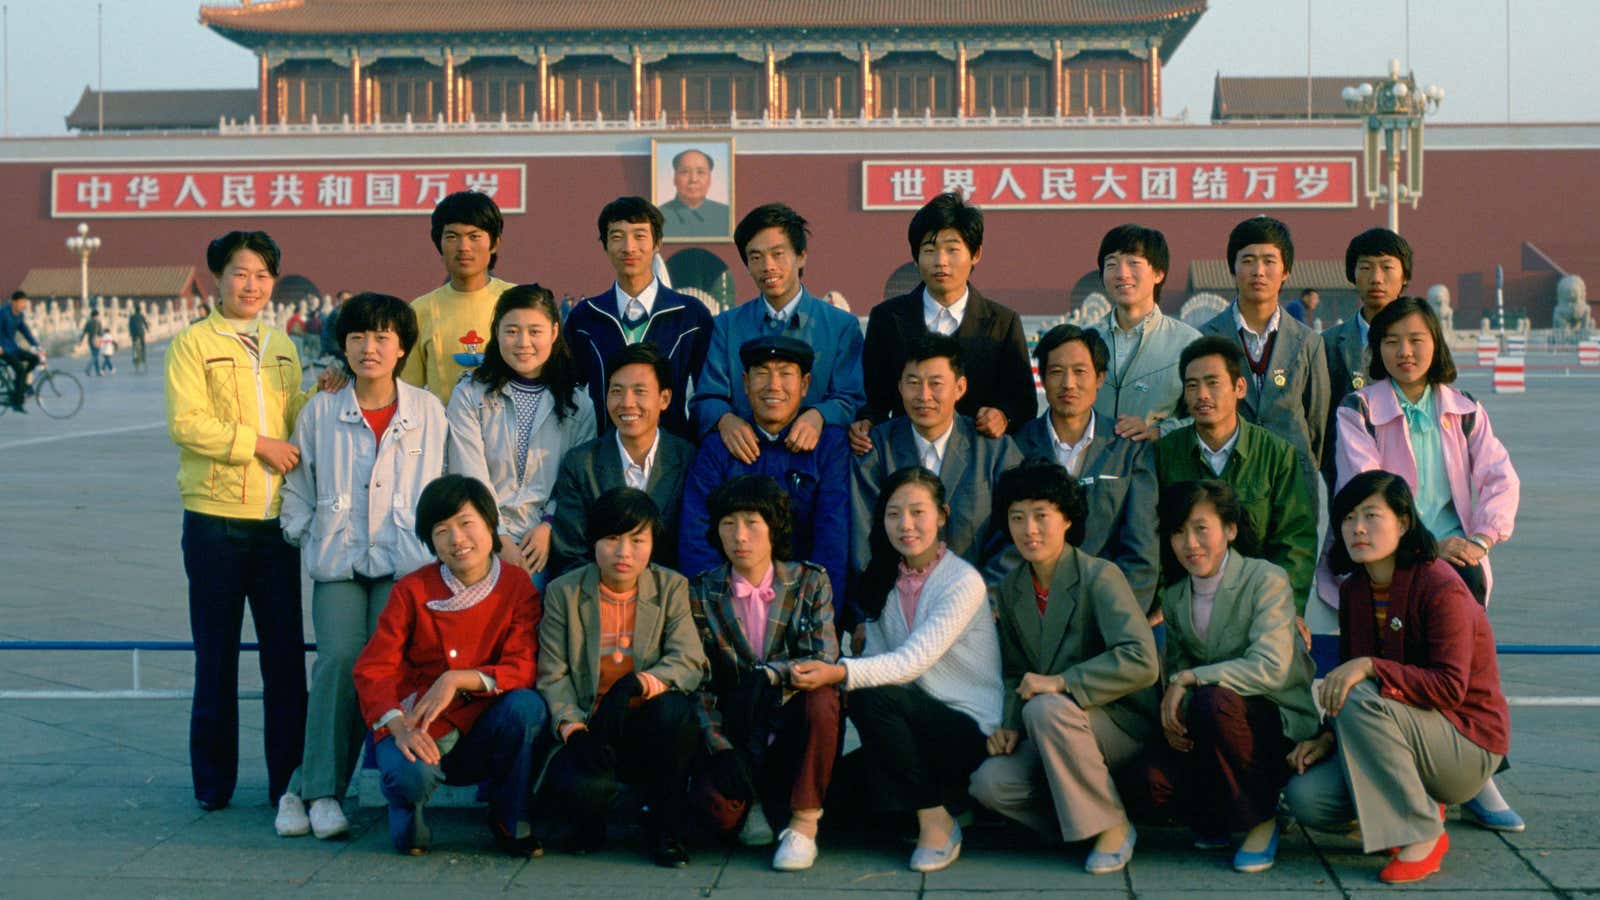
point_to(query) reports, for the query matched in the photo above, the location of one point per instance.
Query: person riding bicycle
(14, 323)
(138, 326)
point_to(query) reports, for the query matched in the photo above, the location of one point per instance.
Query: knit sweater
(951, 651)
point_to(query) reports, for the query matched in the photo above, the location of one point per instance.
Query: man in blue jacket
(14, 324)
(639, 308)
(777, 374)
(772, 242)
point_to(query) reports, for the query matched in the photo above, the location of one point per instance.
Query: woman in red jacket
(1416, 709)
(447, 679)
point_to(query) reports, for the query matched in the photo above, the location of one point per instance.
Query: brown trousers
(796, 768)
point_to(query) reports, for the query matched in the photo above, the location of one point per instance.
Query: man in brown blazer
(1077, 659)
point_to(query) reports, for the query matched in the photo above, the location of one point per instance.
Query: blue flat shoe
(1102, 863)
(1251, 862)
(1494, 820)
(931, 860)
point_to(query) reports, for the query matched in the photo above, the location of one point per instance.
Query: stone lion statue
(1572, 312)
(1439, 299)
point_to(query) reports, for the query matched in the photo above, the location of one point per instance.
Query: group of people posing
(641, 547)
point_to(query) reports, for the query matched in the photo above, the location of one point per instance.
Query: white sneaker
(291, 820)
(756, 832)
(327, 819)
(796, 852)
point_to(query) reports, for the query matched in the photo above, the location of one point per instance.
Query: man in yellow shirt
(453, 319)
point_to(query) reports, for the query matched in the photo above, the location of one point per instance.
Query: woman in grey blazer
(1238, 684)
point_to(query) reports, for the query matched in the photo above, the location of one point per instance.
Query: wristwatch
(1480, 542)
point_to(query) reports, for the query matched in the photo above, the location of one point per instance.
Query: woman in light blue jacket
(366, 452)
(515, 416)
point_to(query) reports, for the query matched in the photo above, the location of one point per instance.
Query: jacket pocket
(223, 387)
(326, 546)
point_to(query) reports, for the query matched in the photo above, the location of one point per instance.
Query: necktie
(752, 601)
(945, 322)
(635, 312)
(930, 459)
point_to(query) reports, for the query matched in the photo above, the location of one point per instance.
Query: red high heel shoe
(1399, 871)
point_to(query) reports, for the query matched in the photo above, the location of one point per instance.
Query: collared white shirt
(944, 319)
(634, 474)
(1070, 456)
(932, 451)
(646, 298)
(1256, 343)
(782, 314)
(1217, 459)
(1125, 341)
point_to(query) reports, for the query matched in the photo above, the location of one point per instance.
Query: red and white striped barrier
(1510, 375)
(1488, 349)
(1038, 385)
(1516, 345)
(1589, 353)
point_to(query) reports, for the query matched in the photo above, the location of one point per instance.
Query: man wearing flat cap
(777, 374)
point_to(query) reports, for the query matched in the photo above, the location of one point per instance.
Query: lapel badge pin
(1279, 379)
(1358, 382)
(1395, 624)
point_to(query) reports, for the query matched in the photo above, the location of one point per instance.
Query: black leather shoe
(670, 854)
(523, 847)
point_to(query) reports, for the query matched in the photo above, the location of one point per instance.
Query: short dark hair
(634, 210)
(1441, 369)
(444, 496)
(1213, 345)
(1377, 242)
(468, 208)
(932, 345)
(760, 494)
(640, 354)
(1178, 500)
(622, 510)
(772, 215)
(883, 561)
(1261, 230)
(220, 251)
(1137, 240)
(19, 295)
(1307, 292)
(677, 159)
(1041, 479)
(560, 374)
(948, 210)
(1417, 546)
(368, 311)
(1099, 354)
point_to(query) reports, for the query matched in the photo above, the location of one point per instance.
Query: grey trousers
(1393, 766)
(344, 614)
(1066, 753)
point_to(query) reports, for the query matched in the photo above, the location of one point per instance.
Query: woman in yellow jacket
(233, 391)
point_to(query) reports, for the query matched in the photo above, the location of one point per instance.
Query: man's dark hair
(1309, 292)
(443, 498)
(560, 374)
(1041, 479)
(468, 208)
(640, 354)
(677, 159)
(1213, 345)
(220, 251)
(1099, 354)
(1417, 546)
(932, 345)
(376, 312)
(1179, 500)
(634, 210)
(760, 494)
(948, 210)
(1137, 240)
(1261, 230)
(772, 215)
(1378, 242)
(622, 510)
(19, 295)
(1441, 369)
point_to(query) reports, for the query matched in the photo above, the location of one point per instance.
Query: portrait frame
(681, 226)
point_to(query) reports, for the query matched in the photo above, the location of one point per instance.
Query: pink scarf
(910, 583)
(750, 604)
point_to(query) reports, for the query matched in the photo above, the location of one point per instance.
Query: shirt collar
(790, 306)
(646, 298)
(938, 444)
(1086, 440)
(1362, 327)
(1227, 446)
(1272, 323)
(1138, 328)
(649, 458)
(931, 307)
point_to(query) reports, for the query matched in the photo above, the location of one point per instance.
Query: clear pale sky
(1459, 44)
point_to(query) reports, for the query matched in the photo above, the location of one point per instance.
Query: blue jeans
(500, 747)
(231, 562)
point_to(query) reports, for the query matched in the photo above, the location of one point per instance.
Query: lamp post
(83, 244)
(1394, 107)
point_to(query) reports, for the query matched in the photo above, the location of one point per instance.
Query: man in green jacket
(1262, 468)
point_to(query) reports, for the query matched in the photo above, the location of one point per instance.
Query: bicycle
(58, 394)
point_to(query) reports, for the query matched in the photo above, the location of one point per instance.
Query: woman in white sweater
(925, 692)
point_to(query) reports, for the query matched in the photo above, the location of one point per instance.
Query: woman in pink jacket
(1411, 421)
